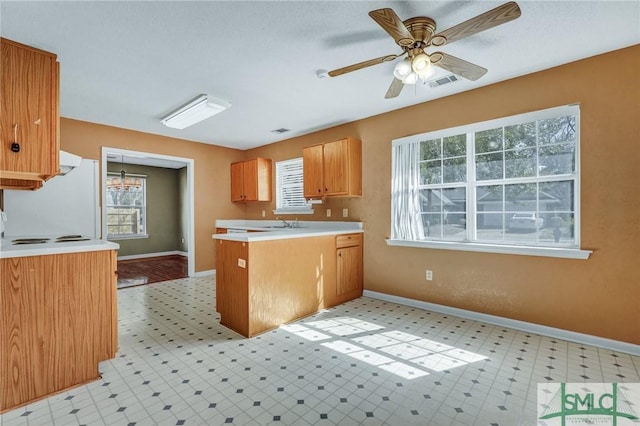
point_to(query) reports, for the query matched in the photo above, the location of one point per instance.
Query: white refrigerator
(67, 204)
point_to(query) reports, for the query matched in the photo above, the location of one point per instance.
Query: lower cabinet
(263, 284)
(349, 265)
(58, 322)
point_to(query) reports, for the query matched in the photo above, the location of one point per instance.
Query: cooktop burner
(30, 240)
(42, 240)
(68, 238)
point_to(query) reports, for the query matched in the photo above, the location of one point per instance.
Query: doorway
(186, 207)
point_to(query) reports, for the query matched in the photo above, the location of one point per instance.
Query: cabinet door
(250, 180)
(349, 270)
(237, 181)
(29, 87)
(336, 167)
(312, 170)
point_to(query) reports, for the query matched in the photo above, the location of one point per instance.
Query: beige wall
(211, 171)
(599, 296)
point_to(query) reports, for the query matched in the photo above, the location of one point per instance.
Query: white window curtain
(405, 206)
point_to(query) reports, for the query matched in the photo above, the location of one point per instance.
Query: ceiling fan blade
(361, 65)
(500, 15)
(457, 66)
(391, 23)
(395, 89)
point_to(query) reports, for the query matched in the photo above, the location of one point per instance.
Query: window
(507, 183)
(289, 188)
(126, 210)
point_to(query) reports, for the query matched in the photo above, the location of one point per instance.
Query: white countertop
(272, 230)
(8, 249)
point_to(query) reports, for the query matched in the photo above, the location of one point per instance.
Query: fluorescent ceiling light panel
(201, 108)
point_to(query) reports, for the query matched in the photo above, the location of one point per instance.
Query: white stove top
(38, 245)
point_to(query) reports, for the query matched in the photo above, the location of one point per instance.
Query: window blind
(289, 185)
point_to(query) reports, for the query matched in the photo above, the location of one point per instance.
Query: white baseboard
(205, 273)
(543, 330)
(162, 253)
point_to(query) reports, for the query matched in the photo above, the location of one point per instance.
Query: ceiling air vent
(443, 80)
(281, 130)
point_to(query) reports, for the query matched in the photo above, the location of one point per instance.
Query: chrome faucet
(293, 224)
(286, 224)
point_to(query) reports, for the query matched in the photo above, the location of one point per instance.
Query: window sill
(567, 253)
(127, 237)
(293, 211)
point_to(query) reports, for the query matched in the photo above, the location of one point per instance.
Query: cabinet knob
(15, 146)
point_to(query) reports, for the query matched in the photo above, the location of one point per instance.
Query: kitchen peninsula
(58, 310)
(269, 273)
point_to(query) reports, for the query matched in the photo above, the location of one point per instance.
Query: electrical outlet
(242, 263)
(345, 212)
(429, 275)
(264, 213)
(182, 240)
(328, 212)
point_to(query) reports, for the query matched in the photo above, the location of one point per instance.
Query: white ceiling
(128, 64)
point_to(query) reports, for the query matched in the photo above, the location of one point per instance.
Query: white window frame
(143, 209)
(470, 243)
(283, 204)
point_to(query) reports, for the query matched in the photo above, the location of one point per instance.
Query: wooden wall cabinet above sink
(251, 180)
(29, 123)
(333, 169)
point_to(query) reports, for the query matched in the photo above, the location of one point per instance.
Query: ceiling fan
(414, 35)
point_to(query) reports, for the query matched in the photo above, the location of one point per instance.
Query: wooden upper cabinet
(333, 169)
(29, 86)
(313, 171)
(237, 181)
(251, 180)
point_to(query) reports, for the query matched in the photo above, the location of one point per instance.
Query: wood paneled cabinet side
(232, 286)
(251, 180)
(58, 323)
(333, 169)
(29, 84)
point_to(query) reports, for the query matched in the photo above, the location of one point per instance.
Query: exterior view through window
(126, 209)
(511, 181)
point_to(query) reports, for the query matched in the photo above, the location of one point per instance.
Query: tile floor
(366, 362)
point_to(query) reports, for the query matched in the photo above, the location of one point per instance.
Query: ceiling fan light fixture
(402, 69)
(421, 65)
(411, 78)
